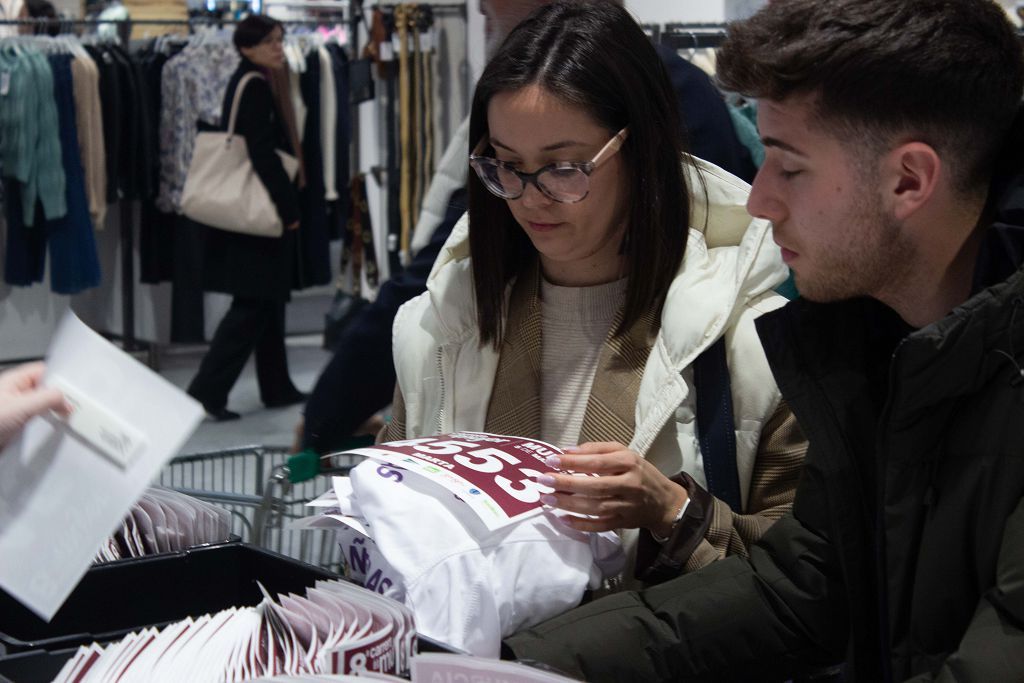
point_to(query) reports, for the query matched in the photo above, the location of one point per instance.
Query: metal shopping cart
(265, 488)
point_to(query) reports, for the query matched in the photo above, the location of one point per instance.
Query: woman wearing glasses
(597, 263)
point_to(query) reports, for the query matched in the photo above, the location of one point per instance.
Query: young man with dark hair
(894, 145)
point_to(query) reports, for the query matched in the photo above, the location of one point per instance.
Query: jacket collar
(955, 356)
(245, 64)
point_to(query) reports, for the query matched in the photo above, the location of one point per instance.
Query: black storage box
(116, 598)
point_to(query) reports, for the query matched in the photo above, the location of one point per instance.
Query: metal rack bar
(454, 7)
(197, 21)
(696, 39)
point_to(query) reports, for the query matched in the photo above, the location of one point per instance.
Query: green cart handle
(306, 464)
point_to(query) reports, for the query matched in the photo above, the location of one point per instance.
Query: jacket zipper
(440, 378)
(880, 553)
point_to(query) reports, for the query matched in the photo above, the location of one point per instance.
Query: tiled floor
(259, 425)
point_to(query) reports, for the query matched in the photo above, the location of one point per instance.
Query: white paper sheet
(60, 497)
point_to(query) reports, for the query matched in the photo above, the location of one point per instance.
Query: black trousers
(249, 325)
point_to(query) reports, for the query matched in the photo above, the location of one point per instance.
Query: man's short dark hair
(949, 73)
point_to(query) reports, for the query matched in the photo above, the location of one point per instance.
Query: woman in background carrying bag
(256, 270)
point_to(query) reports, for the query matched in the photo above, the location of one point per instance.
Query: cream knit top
(575, 323)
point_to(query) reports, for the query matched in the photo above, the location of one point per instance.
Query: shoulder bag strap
(715, 424)
(239, 89)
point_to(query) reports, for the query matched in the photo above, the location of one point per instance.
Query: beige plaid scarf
(515, 407)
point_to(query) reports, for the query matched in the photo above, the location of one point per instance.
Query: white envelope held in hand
(65, 485)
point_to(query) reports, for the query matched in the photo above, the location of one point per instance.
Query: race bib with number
(494, 475)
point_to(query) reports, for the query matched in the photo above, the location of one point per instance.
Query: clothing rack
(128, 339)
(194, 21)
(127, 208)
(683, 36)
(690, 36)
(452, 7)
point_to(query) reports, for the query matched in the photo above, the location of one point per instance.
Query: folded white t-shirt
(467, 586)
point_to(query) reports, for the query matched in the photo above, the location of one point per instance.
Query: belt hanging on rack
(383, 30)
(427, 23)
(361, 206)
(417, 117)
(405, 135)
(352, 253)
(359, 249)
(357, 244)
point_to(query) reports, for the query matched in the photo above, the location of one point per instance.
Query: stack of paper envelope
(335, 628)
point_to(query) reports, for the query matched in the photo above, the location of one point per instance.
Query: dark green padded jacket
(904, 553)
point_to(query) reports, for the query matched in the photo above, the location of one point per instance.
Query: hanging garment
(296, 67)
(11, 9)
(328, 124)
(192, 86)
(314, 266)
(25, 255)
(188, 315)
(115, 116)
(74, 263)
(342, 138)
(132, 181)
(30, 150)
(192, 90)
(89, 117)
(405, 127)
(392, 127)
(156, 245)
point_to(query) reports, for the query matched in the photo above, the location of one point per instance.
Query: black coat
(708, 128)
(904, 552)
(360, 378)
(244, 265)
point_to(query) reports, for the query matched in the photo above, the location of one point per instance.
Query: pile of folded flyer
(336, 628)
(165, 521)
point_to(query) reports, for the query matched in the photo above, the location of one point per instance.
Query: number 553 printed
(495, 475)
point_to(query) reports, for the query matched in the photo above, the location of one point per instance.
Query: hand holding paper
(22, 398)
(628, 493)
(65, 484)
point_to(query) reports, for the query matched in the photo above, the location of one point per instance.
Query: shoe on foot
(287, 400)
(222, 415)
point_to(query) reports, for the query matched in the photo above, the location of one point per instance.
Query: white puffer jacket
(725, 282)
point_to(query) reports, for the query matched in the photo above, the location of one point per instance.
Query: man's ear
(911, 174)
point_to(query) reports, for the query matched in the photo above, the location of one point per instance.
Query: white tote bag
(222, 189)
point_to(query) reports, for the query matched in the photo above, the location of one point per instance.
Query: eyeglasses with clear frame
(567, 182)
